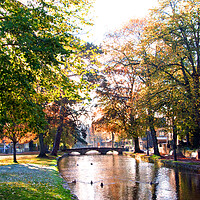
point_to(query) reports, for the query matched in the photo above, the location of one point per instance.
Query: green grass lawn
(32, 178)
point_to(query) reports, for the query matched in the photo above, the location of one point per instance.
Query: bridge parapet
(102, 150)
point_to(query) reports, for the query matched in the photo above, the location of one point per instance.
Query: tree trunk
(137, 146)
(58, 134)
(187, 136)
(174, 141)
(155, 141)
(154, 137)
(14, 152)
(112, 140)
(151, 121)
(147, 144)
(194, 98)
(196, 131)
(134, 134)
(42, 147)
(196, 138)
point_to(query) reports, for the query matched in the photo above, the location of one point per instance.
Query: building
(163, 139)
(6, 146)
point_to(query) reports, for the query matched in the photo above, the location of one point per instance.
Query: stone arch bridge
(102, 150)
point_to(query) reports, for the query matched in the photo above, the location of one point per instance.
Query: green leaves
(172, 49)
(159, 60)
(36, 43)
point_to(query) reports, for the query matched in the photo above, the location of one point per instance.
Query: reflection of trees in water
(186, 184)
(137, 179)
(125, 178)
(177, 184)
(189, 185)
(154, 182)
(122, 187)
(113, 189)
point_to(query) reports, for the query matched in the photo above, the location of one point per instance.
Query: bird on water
(74, 181)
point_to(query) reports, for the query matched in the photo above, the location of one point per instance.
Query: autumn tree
(120, 89)
(147, 103)
(63, 117)
(172, 49)
(18, 134)
(110, 121)
(86, 76)
(19, 129)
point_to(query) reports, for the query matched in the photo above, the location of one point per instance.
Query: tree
(21, 122)
(88, 54)
(119, 91)
(18, 133)
(172, 107)
(18, 128)
(62, 115)
(172, 48)
(147, 103)
(38, 52)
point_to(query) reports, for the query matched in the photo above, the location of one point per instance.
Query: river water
(114, 177)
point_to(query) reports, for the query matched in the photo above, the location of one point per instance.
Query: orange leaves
(18, 133)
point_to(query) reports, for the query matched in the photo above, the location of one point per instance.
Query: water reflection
(177, 184)
(125, 178)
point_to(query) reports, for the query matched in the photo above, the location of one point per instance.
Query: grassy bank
(32, 178)
(186, 163)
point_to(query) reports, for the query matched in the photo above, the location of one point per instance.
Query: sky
(111, 14)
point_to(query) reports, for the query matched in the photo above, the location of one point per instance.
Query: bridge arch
(92, 152)
(101, 150)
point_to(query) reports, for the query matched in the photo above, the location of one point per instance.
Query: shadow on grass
(30, 181)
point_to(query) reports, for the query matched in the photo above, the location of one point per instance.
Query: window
(162, 133)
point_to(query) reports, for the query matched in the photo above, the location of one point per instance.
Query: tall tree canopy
(38, 55)
(120, 88)
(172, 49)
(163, 54)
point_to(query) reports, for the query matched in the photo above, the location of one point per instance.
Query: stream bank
(181, 163)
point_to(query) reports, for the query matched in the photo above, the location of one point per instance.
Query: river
(114, 177)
